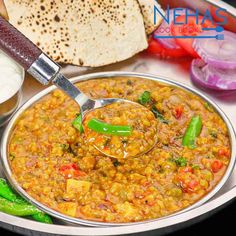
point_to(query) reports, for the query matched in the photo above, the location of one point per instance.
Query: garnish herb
(180, 161)
(145, 98)
(159, 116)
(208, 107)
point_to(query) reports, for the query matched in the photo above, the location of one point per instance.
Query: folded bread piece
(3, 11)
(147, 8)
(85, 33)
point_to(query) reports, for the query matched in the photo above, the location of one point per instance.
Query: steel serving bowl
(10, 126)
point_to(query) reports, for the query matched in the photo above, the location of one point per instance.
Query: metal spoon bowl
(146, 144)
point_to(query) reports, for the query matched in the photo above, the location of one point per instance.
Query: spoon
(44, 69)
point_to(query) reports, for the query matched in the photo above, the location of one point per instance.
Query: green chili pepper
(105, 128)
(7, 193)
(145, 98)
(17, 209)
(13, 198)
(77, 123)
(192, 132)
(159, 116)
(42, 217)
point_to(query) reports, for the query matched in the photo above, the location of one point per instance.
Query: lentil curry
(58, 167)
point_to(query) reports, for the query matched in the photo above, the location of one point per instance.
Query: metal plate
(178, 71)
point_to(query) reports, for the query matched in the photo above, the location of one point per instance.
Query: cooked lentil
(59, 168)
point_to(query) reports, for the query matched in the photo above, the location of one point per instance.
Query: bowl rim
(22, 75)
(113, 74)
(18, 94)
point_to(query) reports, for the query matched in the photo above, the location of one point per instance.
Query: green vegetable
(159, 116)
(77, 123)
(192, 132)
(42, 217)
(213, 134)
(20, 205)
(12, 157)
(195, 167)
(105, 128)
(116, 163)
(145, 98)
(7, 193)
(181, 161)
(208, 107)
(17, 209)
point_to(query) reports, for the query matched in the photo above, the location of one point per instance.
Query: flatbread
(3, 11)
(147, 8)
(16, 8)
(86, 33)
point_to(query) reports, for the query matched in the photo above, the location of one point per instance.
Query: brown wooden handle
(16, 45)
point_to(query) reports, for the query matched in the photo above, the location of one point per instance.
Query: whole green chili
(14, 200)
(17, 209)
(192, 132)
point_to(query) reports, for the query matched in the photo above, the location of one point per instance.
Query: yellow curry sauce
(57, 166)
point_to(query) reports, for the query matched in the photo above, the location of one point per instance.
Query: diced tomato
(187, 169)
(224, 152)
(192, 185)
(216, 166)
(190, 29)
(106, 148)
(99, 139)
(71, 171)
(178, 111)
(188, 186)
(158, 49)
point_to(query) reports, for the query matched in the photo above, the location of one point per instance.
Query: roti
(85, 33)
(147, 8)
(3, 11)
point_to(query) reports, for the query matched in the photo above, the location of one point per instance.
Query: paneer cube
(77, 186)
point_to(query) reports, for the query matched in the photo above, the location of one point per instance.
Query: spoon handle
(17, 46)
(26, 53)
(38, 64)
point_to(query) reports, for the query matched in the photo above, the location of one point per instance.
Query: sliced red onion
(217, 53)
(164, 30)
(211, 77)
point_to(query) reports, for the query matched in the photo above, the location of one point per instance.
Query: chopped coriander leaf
(181, 161)
(159, 116)
(116, 163)
(178, 137)
(12, 157)
(145, 98)
(208, 107)
(194, 166)
(213, 134)
(129, 82)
